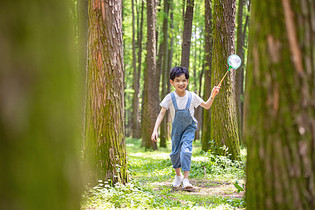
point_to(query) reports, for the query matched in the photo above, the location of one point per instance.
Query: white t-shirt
(181, 103)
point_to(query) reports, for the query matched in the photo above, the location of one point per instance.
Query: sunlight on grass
(151, 174)
(154, 155)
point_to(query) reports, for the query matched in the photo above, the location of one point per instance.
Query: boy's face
(180, 83)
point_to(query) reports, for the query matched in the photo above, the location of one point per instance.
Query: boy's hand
(215, 90)
(154, 136)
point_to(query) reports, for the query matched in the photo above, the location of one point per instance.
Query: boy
(182, 104)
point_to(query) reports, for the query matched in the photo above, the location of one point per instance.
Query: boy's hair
(177, 71)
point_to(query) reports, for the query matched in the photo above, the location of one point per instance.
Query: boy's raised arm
(209, 102)
(157, 124)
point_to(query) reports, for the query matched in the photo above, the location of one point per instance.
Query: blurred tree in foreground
(280, 107)
(39, 107)
(105, 145)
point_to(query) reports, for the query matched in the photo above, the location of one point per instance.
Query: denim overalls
(183, 134)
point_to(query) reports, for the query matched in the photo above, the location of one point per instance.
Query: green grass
(151, 172)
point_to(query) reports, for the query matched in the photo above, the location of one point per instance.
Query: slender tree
(188, 19)
(39, 107)
(206, 130)
(242, 68)
(136, 106)
(170, 62)
(150, 97)
(240, 71)
(105, 130)
(135, 84)
(223, 112)
(199, 110)
(165, 75)
(279, 108)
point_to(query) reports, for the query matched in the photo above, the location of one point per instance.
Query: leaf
(238, 187)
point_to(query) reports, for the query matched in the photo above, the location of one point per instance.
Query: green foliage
(214, 164)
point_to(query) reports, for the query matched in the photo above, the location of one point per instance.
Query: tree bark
(206, 129)
(223, 111)
(39, 107)
(105, 131)
(279, 106)
(151, 90)
(188, 19)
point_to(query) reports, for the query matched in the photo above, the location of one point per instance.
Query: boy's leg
(178, 172)
(186, 149)
(175, 158)
(186, 174)
(175, 155)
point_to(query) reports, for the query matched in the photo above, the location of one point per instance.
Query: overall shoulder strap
(174, 100)
(189, 100)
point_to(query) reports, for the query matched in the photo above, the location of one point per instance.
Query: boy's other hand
(154, 136)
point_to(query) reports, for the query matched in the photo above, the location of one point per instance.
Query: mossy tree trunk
(279, 106)
(105, 140)
(206, 129)
(224, 130)
(150, 98)
(39, 107)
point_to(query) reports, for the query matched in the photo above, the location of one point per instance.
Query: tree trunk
(280, 109)
(137, 130)
(199, 110)
(151, 91)
(243, 69)
(170, 63)
(223, 111)
(240, 70)
(106, 147)
(189, 14)
(206, 129)
(135, 84)
(165, 75)
(39, 107)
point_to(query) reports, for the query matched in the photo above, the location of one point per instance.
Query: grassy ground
(151, 175)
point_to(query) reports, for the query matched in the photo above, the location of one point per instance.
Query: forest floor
(151, 174)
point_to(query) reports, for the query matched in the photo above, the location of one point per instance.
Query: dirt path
(205, 188)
